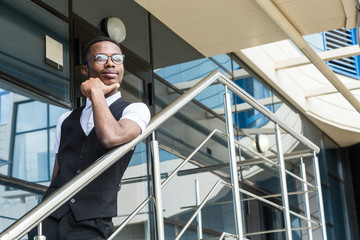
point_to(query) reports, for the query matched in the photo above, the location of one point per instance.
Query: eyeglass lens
(102, 58)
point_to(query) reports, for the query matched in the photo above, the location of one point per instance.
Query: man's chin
(110, 81)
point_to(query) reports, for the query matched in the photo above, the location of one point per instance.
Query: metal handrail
(274, 164)
(252, 101)
(262, 199)
(202, 204)
(279, 230)
(53, 202)
(177, 169)
(22, 184)
(130, 217)
(225, 234)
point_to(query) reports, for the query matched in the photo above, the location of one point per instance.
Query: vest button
(72, 200)
(78, 171)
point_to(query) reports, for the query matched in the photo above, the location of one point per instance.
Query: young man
(85, 134)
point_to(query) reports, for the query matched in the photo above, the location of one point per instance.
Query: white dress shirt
(137, 112)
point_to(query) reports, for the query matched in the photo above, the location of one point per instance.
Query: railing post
(283, 184)
(39, 235)
(319, 196)
(198, 201)
(157, 189)
(306, 197)
(233, 166)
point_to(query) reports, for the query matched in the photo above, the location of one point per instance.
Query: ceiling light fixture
(114, 28)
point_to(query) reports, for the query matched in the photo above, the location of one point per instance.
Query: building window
(253, 118)
(33, 139)
(339, 38)
(333, 186)
(4, 106)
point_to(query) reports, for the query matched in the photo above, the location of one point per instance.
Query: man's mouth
(110, 74)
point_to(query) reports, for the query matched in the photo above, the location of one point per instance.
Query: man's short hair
(86, 51)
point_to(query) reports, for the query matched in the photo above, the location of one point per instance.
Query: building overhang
(218, 27)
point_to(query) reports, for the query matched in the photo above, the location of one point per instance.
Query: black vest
(76, 152)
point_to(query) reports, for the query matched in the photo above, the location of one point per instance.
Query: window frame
(14, 133)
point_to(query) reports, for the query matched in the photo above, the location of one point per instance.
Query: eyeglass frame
(103, 54)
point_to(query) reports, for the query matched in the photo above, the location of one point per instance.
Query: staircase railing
(44, 209)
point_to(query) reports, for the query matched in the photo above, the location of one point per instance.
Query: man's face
(108, 73)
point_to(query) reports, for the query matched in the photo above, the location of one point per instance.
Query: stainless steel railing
(40, 212)
(202, 204)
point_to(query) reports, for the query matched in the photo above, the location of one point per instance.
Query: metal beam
(325, 56)
(330, 90)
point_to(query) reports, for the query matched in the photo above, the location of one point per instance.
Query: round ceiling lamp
(115, 29)
(261, 143)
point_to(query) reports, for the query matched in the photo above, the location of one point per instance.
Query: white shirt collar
(109, 100)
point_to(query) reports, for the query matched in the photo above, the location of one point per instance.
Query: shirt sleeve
(58, 131)
(139, 113)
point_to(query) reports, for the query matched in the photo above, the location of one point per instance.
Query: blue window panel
(253, 118)
(212, 97)
(22, 52)
(139, 156)
(33, 147)
(224, 60)
(338, 208)
(55, 113)
(30, 161)
(31, 116)
(192, 70)
(4, 106)
(334, 39)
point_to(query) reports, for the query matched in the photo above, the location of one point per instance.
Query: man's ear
(84, 70)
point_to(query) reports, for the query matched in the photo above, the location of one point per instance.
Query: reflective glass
(51, 150)
(224, 60)
(31, 116)
(59, 5)
(23, 47)
(33, 152)
(134, 17)
(316, 42)
(332, 161)
(193, 70)
(185, 75)
(30, 159)
(251, 118)
(327, 205)
(339, 208)
(55, 113)
(4, 106)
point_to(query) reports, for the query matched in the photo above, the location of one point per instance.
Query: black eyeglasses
(102, 59)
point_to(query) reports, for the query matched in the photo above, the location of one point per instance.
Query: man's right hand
(93, 85)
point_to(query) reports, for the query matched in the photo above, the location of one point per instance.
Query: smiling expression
(108, 73)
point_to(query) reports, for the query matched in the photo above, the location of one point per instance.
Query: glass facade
(33, 148)
(27, 24)
(164, 69)
(133, 16)
(4, 106)
(334, 191)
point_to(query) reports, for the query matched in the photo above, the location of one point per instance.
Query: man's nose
(109, 63)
